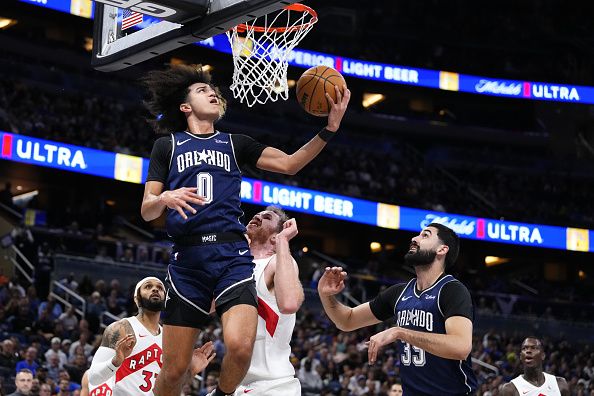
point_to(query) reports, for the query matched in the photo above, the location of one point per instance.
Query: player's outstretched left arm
(275, 160)
(287, 288)
(201, 357)
(510, 390)
(456, 344)
(563, 386)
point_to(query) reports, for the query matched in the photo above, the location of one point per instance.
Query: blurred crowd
(524, 40)
(492, 182)
(56, 344)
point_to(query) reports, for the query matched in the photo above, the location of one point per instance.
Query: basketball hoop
(261, 49)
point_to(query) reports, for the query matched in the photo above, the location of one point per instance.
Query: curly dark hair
(168, 89)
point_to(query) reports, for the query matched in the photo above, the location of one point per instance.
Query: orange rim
(291, 7)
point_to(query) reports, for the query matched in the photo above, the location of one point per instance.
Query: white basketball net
(261, 49)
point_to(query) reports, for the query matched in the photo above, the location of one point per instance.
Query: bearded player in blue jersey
(195, 176)
(433, 315)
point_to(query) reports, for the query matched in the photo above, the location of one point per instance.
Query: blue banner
(444, 80)
(487, 229)
(63, 156)
(309, 201)
(83, 8)
(134, 169)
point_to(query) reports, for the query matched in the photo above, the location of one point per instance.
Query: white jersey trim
(202, 138)
(233, 285)
(439, 296)
(435, 285)
(182, 297)
(172, 150)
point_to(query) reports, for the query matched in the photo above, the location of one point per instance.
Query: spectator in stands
(358, 387)
(56, 351)
(22, 322)
(66, 383)
(127, 256)
(395, 389)
(53, 367)
(64, 388)
(83, 341)
(113, 304)
(30, 361)
(23, 382)
(15, 297)
(95, 307)
(33, 299)
(44, 325)
(211, 382)
(8, 356)
(65, 346)
(77, 368)
(102, 255)
(45, 390)
(115, 288)
(70, 282)
(41, 376)
(311, 382)
(52, 306)
(69, 320)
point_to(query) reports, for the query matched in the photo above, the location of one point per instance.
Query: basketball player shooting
(280, 295)
(195, 173)
(129, 358)
(433, 313)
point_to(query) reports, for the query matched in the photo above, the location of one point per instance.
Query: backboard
(127, 32)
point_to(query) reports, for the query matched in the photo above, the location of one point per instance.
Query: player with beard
(130, 356)
(280, 295)
(534, 381)
(433, 314)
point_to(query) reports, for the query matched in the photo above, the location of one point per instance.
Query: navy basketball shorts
(199, 275)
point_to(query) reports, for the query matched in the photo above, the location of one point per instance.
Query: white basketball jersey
(139, 371)
(105, 389)
(272, 351)
(549, 388)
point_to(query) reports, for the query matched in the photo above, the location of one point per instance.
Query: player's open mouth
(254, 223)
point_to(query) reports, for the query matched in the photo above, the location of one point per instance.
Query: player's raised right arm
(345, 318)
(275, 160)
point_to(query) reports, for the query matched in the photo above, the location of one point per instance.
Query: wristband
(326, 135)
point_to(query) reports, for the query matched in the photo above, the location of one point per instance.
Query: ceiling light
(491, 261)
(375, 247)
(370, 99)
(5, 23)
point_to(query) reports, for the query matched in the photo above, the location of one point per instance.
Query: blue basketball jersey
(423, 373)
(207, 163)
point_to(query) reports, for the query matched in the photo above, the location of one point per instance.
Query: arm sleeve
(383, 305)
(455, 300)
(247, 150)
(102, 368)
(159, 162)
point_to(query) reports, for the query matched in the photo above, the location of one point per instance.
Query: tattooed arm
(118, 342)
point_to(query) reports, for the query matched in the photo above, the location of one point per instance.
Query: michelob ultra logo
(36, 151)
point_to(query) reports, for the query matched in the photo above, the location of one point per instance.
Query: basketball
(312, 87)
